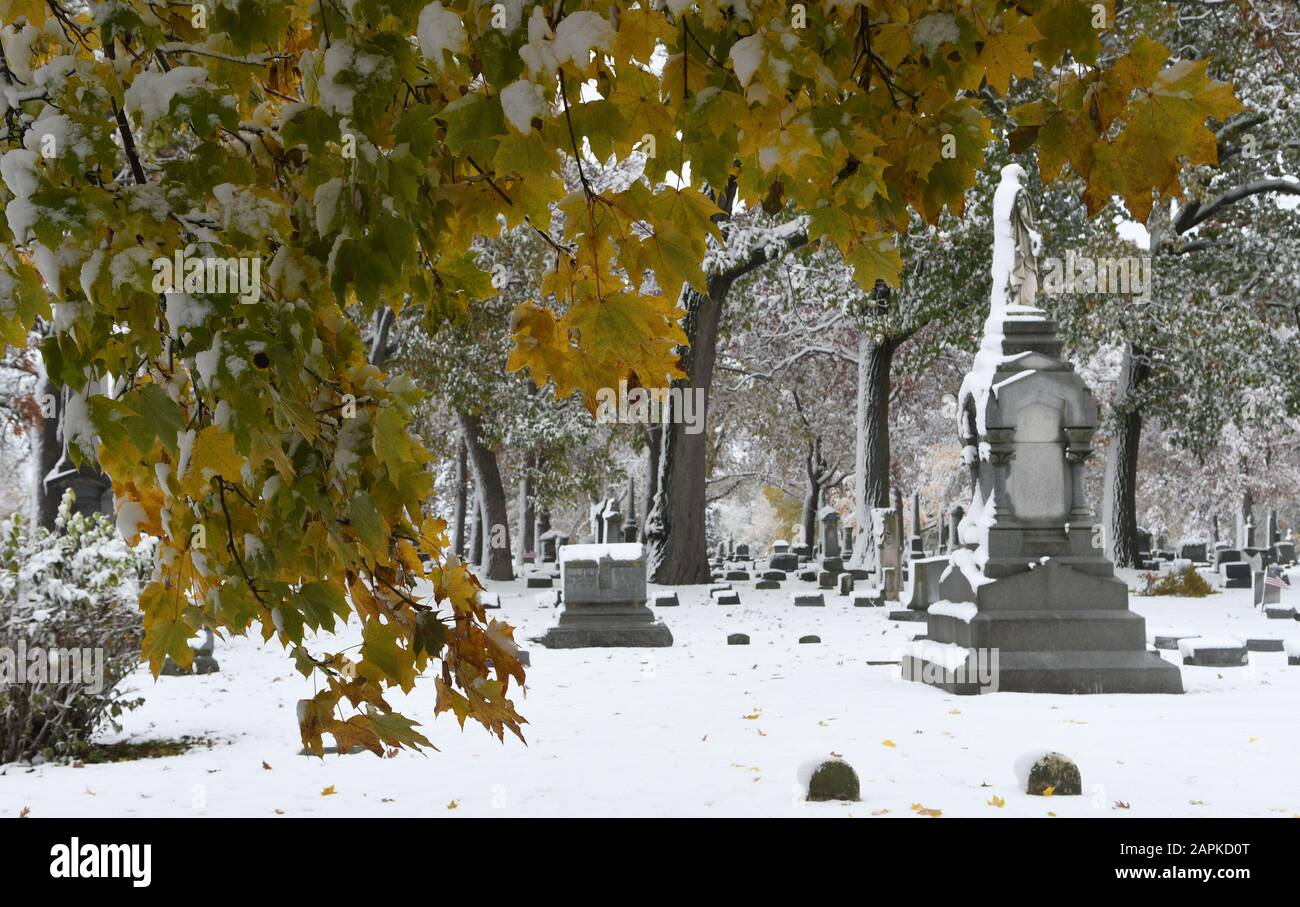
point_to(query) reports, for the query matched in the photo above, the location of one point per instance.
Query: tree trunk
(495, 520)
(49, 450)
(462, 492)
(1119, 509)
(524, 537)
(675, 527)
(871, 468)
(652, 477)
(474, 550)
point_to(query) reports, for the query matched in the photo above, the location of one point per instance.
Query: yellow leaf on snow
(329, 791)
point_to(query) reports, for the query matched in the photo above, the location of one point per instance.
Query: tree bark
(871, 469)
(49, 450)
(525, 513)
(652, 477)
(675, 527)
(495, 519)
(462, 492)
(1119, 509)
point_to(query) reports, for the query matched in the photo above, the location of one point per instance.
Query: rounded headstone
(738, 639)
(1057, 772)
(810, 639)
(834, 780)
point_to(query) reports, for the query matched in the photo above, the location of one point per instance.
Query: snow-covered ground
(703, 728)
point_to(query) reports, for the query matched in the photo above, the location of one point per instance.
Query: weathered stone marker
(1049, 614)
(605, 600)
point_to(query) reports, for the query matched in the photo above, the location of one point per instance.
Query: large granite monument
(605, 599)
(1032, 603)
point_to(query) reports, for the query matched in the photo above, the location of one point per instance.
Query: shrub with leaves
(1186, 582)
(74, 590)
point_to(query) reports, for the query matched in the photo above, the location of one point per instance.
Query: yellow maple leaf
(329, 791)
(997, 801)
(888, 743)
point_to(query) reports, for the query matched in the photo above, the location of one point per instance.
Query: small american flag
(1279, 581)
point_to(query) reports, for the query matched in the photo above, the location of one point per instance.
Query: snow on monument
(1029, 603)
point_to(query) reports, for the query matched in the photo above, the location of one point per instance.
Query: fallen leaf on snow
(1120, 804)
(888, 743)
(329, 791)
(24, 812)
(266, 765)
(997, 801)
(452, 805)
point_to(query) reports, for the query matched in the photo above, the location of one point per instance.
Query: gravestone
(808, 600)
(1192, 551)
(846, 539)
(605, 600)
(767, 584)
(825, 579)
(1284, 553)
(915, 544)
(923, 590)
(784, 561)
(1050, 616)
(629, 521)
(727, 598)
(867, 600)
(552, 540)
(1273, 535)
(738, 639)
(780, 546)
(943, 534)
(1207, 652)
(889, 545)
(809, 640)
(1292, 648)
(538, 582)
(829, 522)
(612, 528)
(737, 575)
(742, 552)
(1236, 574)
(666, 600)
(846, 584)
(955, 515)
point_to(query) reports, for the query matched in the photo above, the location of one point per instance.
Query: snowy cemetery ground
(707, 728)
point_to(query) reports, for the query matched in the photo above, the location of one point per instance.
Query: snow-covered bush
(1186, 582)
(70, 630)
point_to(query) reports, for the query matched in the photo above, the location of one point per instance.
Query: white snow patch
(617, 551)
(963, 611)
(1189, 647)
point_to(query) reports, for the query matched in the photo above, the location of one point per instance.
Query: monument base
(598, 626)
(1067, 673)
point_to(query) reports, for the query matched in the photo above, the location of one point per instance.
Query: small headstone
(1206, 652)
(666, 600)
(737, 575)
(777, 575)
(846, 584)
(834, 780)
(1054, 774)
(767, 584)
(540, 582)
(905, 616)
(809, 600)
(742, 551)
(780, 546)
(1260, 644)
(785, 561)
(808, 576)
(868, 600)
(524, 658)
(727, 598)
(1169, 641)
(809, 640)
(1279, 612)
(825, 580)
(1236, 574)
(738, 639)
(1192, 551)
(1292, 649)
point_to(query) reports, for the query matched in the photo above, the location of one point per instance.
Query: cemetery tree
(324, 156)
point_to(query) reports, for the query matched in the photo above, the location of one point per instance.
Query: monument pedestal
(605, 600)
(586, 626)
